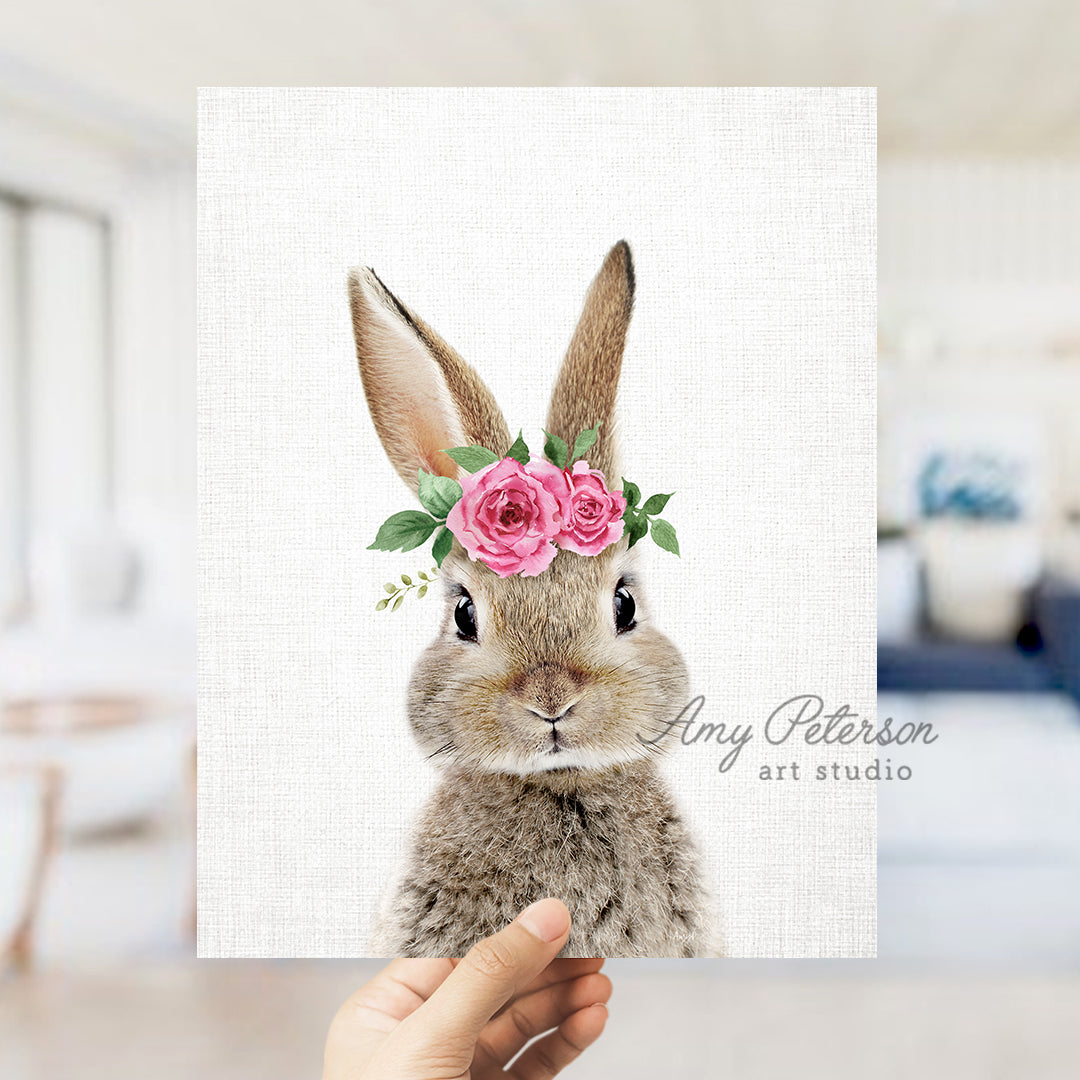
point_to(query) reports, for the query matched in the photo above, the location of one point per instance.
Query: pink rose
(509, 514)
(595, 514)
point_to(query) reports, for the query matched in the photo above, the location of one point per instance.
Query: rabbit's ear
(584, 393)
(423, 397)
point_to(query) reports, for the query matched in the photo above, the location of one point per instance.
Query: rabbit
(523, 667)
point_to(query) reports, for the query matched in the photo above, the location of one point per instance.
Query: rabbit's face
(560, 671)
(529, 674)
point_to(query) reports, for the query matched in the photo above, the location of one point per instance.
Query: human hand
(445, 1019)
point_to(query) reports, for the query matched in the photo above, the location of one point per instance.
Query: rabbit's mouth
(556, 741)
(564, 749)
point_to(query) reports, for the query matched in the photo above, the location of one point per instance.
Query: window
(55, 381)
(97, 365)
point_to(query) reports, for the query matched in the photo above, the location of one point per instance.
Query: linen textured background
(748, 388)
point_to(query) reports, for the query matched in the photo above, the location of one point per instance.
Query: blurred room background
(979, 526)
(979, 554)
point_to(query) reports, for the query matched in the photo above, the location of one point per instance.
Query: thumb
(491, 973)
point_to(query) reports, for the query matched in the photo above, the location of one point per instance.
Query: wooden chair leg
(21, 948)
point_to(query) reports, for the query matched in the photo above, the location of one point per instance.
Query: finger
(558, 971)
(490, 974)
(394, 993)
(550, 1055)
(541, 1011)
(420, 978)
(569, 963)
(371, 1013)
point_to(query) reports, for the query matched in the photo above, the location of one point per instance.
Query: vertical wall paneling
(979, 307)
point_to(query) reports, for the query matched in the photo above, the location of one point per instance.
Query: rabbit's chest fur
(612, 847)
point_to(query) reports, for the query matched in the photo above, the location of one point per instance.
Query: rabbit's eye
(465, 617)
(625, 609)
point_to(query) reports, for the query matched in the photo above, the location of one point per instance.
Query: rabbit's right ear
(423, 397)
(584, 394)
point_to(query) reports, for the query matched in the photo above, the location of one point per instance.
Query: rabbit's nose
(549, 690)
(553, 719)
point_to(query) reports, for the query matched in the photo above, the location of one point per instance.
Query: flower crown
(514, 513)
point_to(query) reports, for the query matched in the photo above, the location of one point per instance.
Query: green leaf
(472, 458)
(422, 591)
(404, 531)
(583, 442)
(555, 450)
(438, 493)
(655, 504)
(423, 576)
(391, 588)
(637, 525)
(519, 451)
(443, 543)
(631, 493)
(664, 535)
(405, 579)
(382, 604)
(434, 570)
(397, 602)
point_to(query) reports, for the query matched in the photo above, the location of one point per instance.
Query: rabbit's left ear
(585, 390)
(423, 397)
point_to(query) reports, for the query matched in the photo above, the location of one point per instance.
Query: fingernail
(546, 919)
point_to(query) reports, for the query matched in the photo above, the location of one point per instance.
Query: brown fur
(584, 393)
(540, 724)
(611, 845)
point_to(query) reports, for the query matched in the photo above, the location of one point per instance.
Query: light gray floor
(229, 1020)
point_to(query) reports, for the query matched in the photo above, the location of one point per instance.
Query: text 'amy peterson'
(801, 717)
